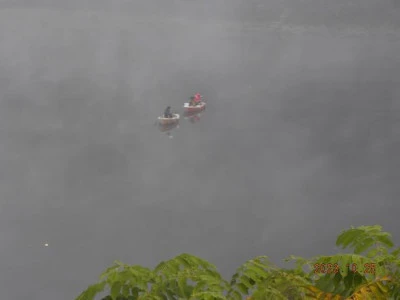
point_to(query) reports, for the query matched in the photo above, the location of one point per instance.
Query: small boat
(189, 109)
(168, 121)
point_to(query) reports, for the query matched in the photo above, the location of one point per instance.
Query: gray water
(300, 138)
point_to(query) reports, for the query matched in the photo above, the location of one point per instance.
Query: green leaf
(116, 289)
(386, 240)
(344, 265)
(242, 288)
(109, 271)
(125, 290)
(235, 295)
(337, 279)
(123, 276)
(364, 237)
(348, 281)
(372, 253)
(396, 252)
(135, 292)
(347, 237)
(358, 280)
(326, 283)
(208, 295)
(364, 245)
(91, 292)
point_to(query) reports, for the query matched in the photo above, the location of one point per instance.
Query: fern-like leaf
(91, 292)
(315, 293)
(250, 273)
(378, 289)
(364, 237)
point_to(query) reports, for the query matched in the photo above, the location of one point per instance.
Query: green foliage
(249, 275)
(363, 238)
(263, 280)
(122, 281)
(184, 276)
(176, 274)
(350, 276)
(379, 288)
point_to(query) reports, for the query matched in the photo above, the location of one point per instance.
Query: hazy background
(299, 141)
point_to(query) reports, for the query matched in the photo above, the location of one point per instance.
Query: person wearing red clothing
(197, 99)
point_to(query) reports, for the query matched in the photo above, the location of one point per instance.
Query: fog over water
(299, 140)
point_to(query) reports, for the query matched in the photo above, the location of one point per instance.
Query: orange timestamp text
(368, 268)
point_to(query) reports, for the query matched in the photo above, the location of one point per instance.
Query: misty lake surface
(299, 140)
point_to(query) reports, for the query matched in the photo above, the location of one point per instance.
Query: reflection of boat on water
(195, 108)
(168, 127)
(169, 121)
(187, 115)
(192, 117)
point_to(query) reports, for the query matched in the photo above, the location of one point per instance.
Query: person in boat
(197, 99)
(167, 113)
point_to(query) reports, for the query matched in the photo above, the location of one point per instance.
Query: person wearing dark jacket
(167, 112)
